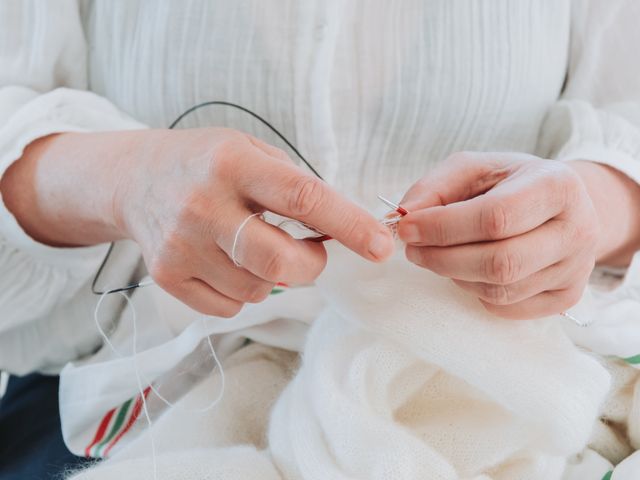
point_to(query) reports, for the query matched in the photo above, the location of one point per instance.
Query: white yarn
(140, 389)
(237, 237)
(107, 341)
(406, 377)
(139, 376)
(135, 368)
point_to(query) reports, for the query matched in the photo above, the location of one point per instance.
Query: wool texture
(403, 376)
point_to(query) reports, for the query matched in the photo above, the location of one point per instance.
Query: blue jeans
(31, 446)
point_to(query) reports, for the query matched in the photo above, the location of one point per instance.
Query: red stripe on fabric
(132, 419)
(102, 428)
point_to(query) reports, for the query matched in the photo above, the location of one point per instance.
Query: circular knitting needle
(402, 211)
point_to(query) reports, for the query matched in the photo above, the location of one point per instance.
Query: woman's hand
(521, 233)
(182, 196)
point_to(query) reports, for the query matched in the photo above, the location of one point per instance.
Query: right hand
(185, 193)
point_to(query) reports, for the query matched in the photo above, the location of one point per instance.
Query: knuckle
(256, 293)
(276, 265)
(588, 234)
(573, 234)
(354, 229)
(503, 266)
(314, 265)
(198, 213)
(568, 233)
(494, 309)
(580, 238)
(189, 212)
(563, 184)
(305, 197)
(280, 154)
(225, 157)
(494, 221)
(568, 182)
(438, 230)
(229, 309)
(414, 255)
(496, 294)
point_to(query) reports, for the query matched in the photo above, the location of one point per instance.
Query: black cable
(99, 272)
(172, 126)
(254, 115)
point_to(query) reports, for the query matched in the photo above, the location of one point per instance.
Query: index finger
(512, 208)
(287, 190)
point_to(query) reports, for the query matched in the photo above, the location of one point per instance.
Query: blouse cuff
(59, 111)
(575, 130)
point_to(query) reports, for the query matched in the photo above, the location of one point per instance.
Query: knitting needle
(402, 211)
(323, 238)
(397, 208)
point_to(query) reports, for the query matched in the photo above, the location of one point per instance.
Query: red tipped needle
(321, 238)
(399, 209)
(395, 206)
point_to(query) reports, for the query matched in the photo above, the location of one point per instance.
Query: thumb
(461, 176)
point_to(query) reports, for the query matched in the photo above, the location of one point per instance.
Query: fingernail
(381, 245)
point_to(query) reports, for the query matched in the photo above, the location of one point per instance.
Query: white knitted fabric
(403, 377)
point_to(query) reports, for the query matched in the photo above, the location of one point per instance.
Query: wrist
(616, 201)
(60, 191)
(125, 158)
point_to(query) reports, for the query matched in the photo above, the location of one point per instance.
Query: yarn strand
(139, 377)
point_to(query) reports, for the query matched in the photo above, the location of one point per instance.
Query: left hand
(519, 232)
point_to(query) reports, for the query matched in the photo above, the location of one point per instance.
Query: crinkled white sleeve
(43, 81)
(598, 119)
(598, 116)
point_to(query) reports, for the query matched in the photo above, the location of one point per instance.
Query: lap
(31, 444)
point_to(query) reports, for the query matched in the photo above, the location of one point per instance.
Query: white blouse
(373, 92)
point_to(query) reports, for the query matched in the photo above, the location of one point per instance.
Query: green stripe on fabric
(276, 291)
(117, 425)
(607, 476)
(635, 360)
